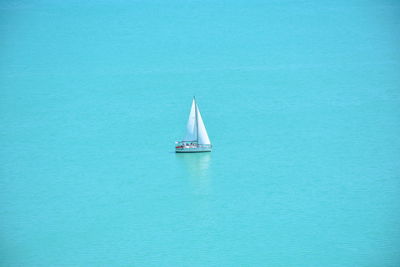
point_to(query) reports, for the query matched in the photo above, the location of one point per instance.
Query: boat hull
(191, 151)
(191, 147)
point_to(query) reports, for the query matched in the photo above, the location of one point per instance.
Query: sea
(301, 101)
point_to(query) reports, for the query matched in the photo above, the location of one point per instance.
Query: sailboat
(196, 139)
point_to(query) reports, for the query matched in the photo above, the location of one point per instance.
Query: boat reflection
(197, 166)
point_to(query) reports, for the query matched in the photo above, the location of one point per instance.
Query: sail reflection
(197, 167)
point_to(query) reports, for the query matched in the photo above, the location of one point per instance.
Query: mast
(196, 120)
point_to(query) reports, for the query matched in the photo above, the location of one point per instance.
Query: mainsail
(191, 127)
(195, 128)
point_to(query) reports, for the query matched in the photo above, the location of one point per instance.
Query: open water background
(301, 100)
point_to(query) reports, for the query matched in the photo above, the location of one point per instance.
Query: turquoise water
(301, 100)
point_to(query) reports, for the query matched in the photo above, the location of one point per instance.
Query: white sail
(202, 133)
(195, 128)
(191, 127)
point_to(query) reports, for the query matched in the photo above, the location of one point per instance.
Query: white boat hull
(184, 147)
(191, 150)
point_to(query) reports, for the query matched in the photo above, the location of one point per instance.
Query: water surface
(301, 101)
